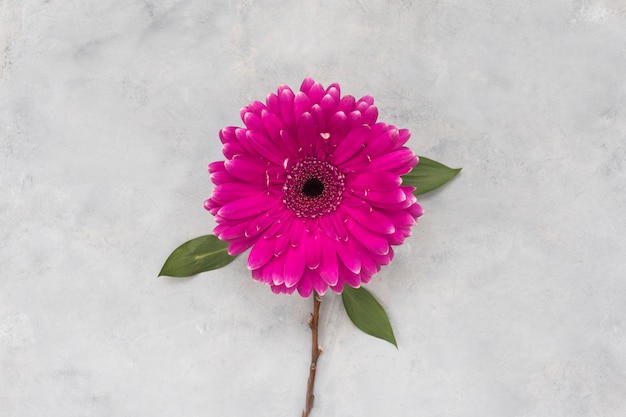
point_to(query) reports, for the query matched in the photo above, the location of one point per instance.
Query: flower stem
(316, 351)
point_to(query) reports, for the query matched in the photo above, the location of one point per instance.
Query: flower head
(312, 184)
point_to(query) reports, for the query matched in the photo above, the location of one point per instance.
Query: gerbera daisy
(313, 185)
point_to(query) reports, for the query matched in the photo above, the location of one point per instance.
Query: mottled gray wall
(508, 300)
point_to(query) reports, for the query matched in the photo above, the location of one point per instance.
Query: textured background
(508, 300)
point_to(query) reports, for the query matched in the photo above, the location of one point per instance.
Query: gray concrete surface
(508, 300)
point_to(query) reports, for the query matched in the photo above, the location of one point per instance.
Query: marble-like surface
(508, 300)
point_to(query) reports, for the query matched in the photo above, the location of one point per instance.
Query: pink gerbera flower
(312, 184)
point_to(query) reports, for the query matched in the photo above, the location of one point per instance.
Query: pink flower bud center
(313, 188)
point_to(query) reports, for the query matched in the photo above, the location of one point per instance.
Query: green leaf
(367, 314)
(201, 254)
(428, 175)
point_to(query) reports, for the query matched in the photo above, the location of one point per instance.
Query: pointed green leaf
(201, 254)
(428, 175)
(367, 314)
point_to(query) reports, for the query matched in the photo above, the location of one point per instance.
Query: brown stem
(316, 351)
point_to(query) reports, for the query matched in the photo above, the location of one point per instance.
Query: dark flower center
(313, 188)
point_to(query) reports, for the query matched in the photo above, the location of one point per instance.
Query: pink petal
(281, 289)
(416, 210)
(280, 233)
(272, 124)
(242, 138)
(306, 85)
(247, 169)
(263, 274)
(372, 220)
(397, 238)
(222, 177)
(338, 125)
(319, 118)
(236, 248)
(319, 284)
(383, 205)
(253, 122)
(328, 266)
(282, 243)
(275, 268)
(316, 93)
(337, 220)
(381, 144)
(404, 135)
(297, 231)
(212, 206)
(379, 129)
(305, 287)
(328, 105)
(367, 99)
(235, 190)
(285, 99)
(401, 218)
(232, 149)
(383, 259)
(295, 259)
(399, 162)
(289, 142)
(265, 147)
(337, 288)
(217, 166)
(368, 266)
(374, 242)
(351, 144)
(347, 252)
(349, 277)
(373, 180)
(351, 201)
(307, 134)
(335, 91)
(258, 225)
(357, 163)
(261, 253)
(311, 225)
(275, 177)
(355, 119)
(227, 134)
(346, 104)
(301, 104)
(370, 115)
(277, 282)
(326, 225)
(254, 107)
(284, 220)
(294, 264)
(272, 104)
(231, 232)
(247, 207)
(389, 197)
(313, 251)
